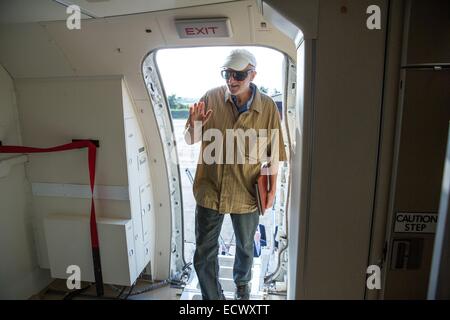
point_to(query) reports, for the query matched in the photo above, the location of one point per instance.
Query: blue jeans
(208, 224)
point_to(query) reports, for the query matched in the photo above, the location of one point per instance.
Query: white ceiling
(19, 11)
(107, 8)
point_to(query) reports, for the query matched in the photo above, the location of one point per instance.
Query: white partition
(68, 243)
(139, 184)
(54, 111)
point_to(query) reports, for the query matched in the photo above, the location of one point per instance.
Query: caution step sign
(415, 222)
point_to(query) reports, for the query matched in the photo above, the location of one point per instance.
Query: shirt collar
(255, 99)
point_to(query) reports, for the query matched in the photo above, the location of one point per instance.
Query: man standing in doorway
(222, 187)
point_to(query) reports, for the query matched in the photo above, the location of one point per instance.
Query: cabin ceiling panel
(118, 45)
(25, 11)
(108, 46)
(108, 8)
(28, 51)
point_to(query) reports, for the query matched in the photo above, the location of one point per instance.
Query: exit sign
(204, 28)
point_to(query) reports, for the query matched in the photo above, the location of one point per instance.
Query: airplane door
(161, 111)
(421, 156)
(423, 124)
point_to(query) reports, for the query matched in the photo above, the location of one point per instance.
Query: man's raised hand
(197, 113)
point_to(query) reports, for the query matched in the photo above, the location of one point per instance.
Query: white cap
(239, 59)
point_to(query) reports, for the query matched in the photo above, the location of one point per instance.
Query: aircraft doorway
(181, 76)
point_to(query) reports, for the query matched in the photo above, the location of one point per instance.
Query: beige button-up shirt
(228, 185)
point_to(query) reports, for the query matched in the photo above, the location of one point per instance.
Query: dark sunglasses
(237, 75)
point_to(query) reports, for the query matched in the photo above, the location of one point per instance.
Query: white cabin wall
(53, 111)
(20, 275)
(347, 109)
(340, 138)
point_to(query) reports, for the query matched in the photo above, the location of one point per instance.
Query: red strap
(70, 146)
